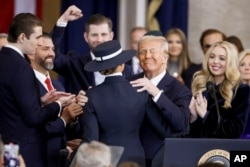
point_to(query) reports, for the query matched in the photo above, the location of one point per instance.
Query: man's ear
(85, 36)
(165, 58)
(21, 38)
(111, 35)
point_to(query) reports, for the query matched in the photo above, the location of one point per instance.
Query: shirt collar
(114, 74)
(155, 81)
(15, 48)
(92, 55)
(40, 76)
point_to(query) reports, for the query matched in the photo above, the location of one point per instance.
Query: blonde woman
(244, 66)
(229, 118)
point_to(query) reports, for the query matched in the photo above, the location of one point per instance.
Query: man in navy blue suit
(43, 61)
(23, 112)
(170, 96)
(98, 29)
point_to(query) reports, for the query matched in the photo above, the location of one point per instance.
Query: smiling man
(168, 94)
(42, 62)
(21, 110)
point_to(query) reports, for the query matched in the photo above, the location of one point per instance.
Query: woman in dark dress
(228, 119)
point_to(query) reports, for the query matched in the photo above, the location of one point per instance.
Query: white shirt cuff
(157, 96)
(60, 110)
(61, 24)
(63, 121)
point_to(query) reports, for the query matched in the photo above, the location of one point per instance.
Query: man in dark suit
(98, 29)
(23, 113)
(43, 61)
(168, 94)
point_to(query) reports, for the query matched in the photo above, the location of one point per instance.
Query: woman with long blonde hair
(219, 109)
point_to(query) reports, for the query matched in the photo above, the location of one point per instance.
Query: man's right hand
(71, 14)
(52, 96)
(67, 100)
(71, 111)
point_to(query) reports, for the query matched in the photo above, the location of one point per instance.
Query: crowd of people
(113, 97)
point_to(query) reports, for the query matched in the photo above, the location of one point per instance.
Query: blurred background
(192, 16)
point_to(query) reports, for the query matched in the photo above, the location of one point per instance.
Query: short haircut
(23, 23)
(98, 19)
(46, 35)
(208, 32)
(93, 154)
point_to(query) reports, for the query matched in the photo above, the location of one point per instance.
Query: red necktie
(49, 85)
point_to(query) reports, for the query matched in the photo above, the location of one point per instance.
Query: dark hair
(98, 19)
(236, 41)
(23, 23)
(208, 32)
(46, 35)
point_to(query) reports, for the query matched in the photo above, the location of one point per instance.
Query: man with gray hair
(93, 154)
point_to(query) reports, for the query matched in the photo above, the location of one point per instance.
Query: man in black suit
(168, 95)
(98, 29)
(43, 61)
(23, 112)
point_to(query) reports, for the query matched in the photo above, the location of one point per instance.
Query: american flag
(9, 8)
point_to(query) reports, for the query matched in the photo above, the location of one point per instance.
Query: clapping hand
(81, 98)
(198, 107)
(71, 111)
(52, 96)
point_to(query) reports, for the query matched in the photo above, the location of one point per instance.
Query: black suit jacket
(55, 132)
(71, 66)
(172, 117)
(188, 74)
(22, 117)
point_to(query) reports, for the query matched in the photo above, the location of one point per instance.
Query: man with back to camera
(98, 29)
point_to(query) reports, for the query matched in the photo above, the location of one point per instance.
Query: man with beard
(43, 61)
